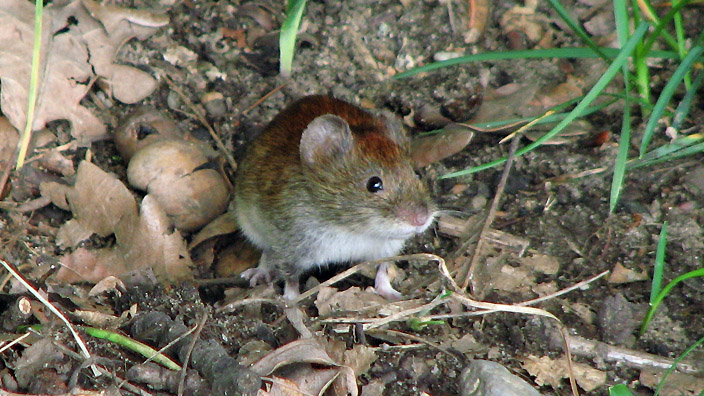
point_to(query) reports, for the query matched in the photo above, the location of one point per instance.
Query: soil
(352, 50)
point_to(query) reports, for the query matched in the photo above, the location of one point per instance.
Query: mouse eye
(374, 184)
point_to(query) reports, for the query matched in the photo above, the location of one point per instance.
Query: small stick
(201, 118)
(184, 369)
(265, 97)
(53, 309)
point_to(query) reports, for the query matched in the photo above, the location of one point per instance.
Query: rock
(486, 378)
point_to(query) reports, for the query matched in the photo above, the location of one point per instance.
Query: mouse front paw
(382, 284)
(254, 275)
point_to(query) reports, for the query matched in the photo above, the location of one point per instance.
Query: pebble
(487, 378)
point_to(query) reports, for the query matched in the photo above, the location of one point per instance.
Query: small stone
(486, 378)
(214, 103)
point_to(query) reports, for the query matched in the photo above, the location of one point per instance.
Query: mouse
(329, 182)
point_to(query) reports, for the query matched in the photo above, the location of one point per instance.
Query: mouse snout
(416, 215)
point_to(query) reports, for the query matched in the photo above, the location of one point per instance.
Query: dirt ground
(553, 215)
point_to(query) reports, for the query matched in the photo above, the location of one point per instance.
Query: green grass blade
(560, 53)
(662, 23)
(289, 31)
(33, 82)
(548, 119)
(664, 292)
(674, 365)
(619, 390)
(133, 345)
(621, 158)
(680, 147)
(659, 267)
(686, 103)
(577, 29)
(621, 17)
(653, 17)
(593, 93)
(666, 96)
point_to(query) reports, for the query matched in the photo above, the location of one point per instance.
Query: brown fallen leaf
(621, 274)
(675, 384)
(101, 204)
(433, 148)
(553, 371)
(310, 351)
(73, 57)
(8, 140)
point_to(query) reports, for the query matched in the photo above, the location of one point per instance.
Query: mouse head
(359, 176)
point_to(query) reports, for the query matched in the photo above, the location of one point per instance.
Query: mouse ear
(394, 128)
(325, 137)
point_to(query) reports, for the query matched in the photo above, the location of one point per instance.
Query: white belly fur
(333, 246)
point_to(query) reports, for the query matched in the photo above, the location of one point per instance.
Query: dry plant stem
(163, 349)
(265, 97)
(421, 340)
(461, 297)
(402, 315)
(467, 276)
(608, 353)
(196, 336)
(201, 118)
(56, 312)
(123, 383)
(524, 303)
(353, 270)
(13, 342)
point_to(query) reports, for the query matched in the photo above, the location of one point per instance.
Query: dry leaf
(359, 358)
(284, 387)
(101, 204)
(306, 350)
(429, 149)
(542, 263)
(98, 202)
(224, 224)
(73, 56)
(675, 384)
(351, 300)
(8, 139)
(549, 371)
(621, 274)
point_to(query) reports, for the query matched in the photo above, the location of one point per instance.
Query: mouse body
(329, 182)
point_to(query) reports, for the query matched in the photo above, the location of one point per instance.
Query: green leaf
(666, 96)
(659, 264)
(289, 31)
(588, 98)
(619, 390)
(561, 53)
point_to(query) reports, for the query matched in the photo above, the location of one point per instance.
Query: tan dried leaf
(308, 350)
(101, 204)
(8, 140)
(550, 371)
(73, 56)
(429, 149)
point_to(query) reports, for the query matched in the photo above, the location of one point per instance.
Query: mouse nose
(415, 215)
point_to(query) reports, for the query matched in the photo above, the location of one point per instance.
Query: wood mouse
(329, 182)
